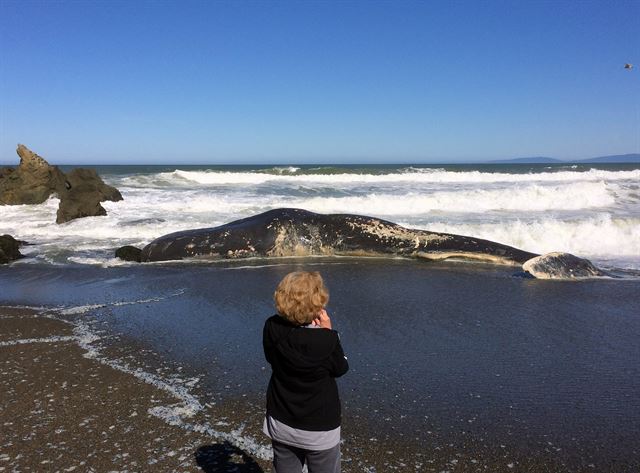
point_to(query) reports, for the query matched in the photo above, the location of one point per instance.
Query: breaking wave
(408, 175)
(591, 212)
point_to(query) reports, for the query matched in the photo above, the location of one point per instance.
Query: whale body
(297, 232)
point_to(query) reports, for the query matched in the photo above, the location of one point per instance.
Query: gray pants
(288, 459)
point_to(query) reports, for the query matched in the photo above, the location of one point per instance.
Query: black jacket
(302, 390)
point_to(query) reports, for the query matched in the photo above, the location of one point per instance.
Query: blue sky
(120, 82)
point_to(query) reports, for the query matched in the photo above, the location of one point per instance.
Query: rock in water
(82, 194)
(129, 253)
(9, 249)
(561, 266)
(34, 180)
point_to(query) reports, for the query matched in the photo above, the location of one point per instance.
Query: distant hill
(616, 158)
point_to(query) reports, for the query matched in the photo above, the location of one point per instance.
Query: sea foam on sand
(178, 414)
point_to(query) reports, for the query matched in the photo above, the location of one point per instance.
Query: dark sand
(453, 367)
(61, 411)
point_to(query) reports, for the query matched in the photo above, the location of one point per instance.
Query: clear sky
(315, 82)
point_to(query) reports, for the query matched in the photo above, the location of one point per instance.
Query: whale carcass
(297, 232)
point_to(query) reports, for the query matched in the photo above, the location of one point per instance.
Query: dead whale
(558, 265)
(297, 232)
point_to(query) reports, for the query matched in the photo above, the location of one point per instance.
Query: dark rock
(70, 209)
(9, 249)
(561, 266)
(82, 194)
(34, 180)
(129, 253)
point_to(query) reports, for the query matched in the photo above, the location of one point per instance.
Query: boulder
(82, 194)
(561, 266)
(35, 180)
(32, 182)
(129, 253)
(9, 249)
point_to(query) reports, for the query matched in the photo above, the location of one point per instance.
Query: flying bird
(628, 66)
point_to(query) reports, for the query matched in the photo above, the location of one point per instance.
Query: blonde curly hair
(300, 296)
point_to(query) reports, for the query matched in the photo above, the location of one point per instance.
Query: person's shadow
(224, 457)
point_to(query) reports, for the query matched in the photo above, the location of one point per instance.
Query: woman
(303, 407)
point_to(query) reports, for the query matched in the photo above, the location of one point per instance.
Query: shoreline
(80, 410)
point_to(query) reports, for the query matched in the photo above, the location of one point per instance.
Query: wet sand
(63, 411)
(453, 368)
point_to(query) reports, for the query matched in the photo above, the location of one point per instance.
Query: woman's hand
(322, 320)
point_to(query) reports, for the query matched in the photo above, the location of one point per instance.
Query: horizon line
(434, 163)
(453, 161)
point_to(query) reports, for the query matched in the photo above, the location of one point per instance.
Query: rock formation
(82, 194)
(34, 181)
(5, 172)
(9, 249)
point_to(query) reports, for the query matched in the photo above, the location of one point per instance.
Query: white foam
(598, 237)
(535, 197)
(82, 309)
(102, 262)
(189, 404)
(417, 175)
(52, 339)
(174, 414)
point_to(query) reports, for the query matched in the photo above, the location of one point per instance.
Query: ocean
(592, 211)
